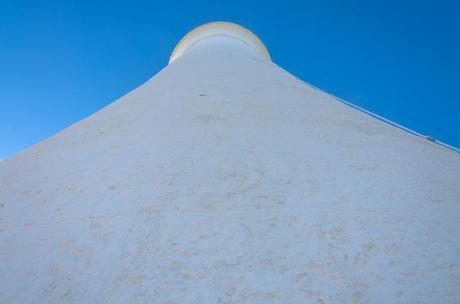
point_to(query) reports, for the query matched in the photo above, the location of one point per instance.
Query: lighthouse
(226, 179)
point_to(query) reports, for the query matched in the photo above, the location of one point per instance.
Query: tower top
(220, 28)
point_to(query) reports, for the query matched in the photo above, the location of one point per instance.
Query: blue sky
(61, 61)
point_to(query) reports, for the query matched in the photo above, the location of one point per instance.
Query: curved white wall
(224, 178)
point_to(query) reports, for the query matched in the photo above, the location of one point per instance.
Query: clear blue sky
(63, 60)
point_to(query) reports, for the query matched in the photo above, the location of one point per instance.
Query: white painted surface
(224, 179)
(226, 29)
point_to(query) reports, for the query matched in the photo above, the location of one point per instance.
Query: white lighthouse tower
(225, 179)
